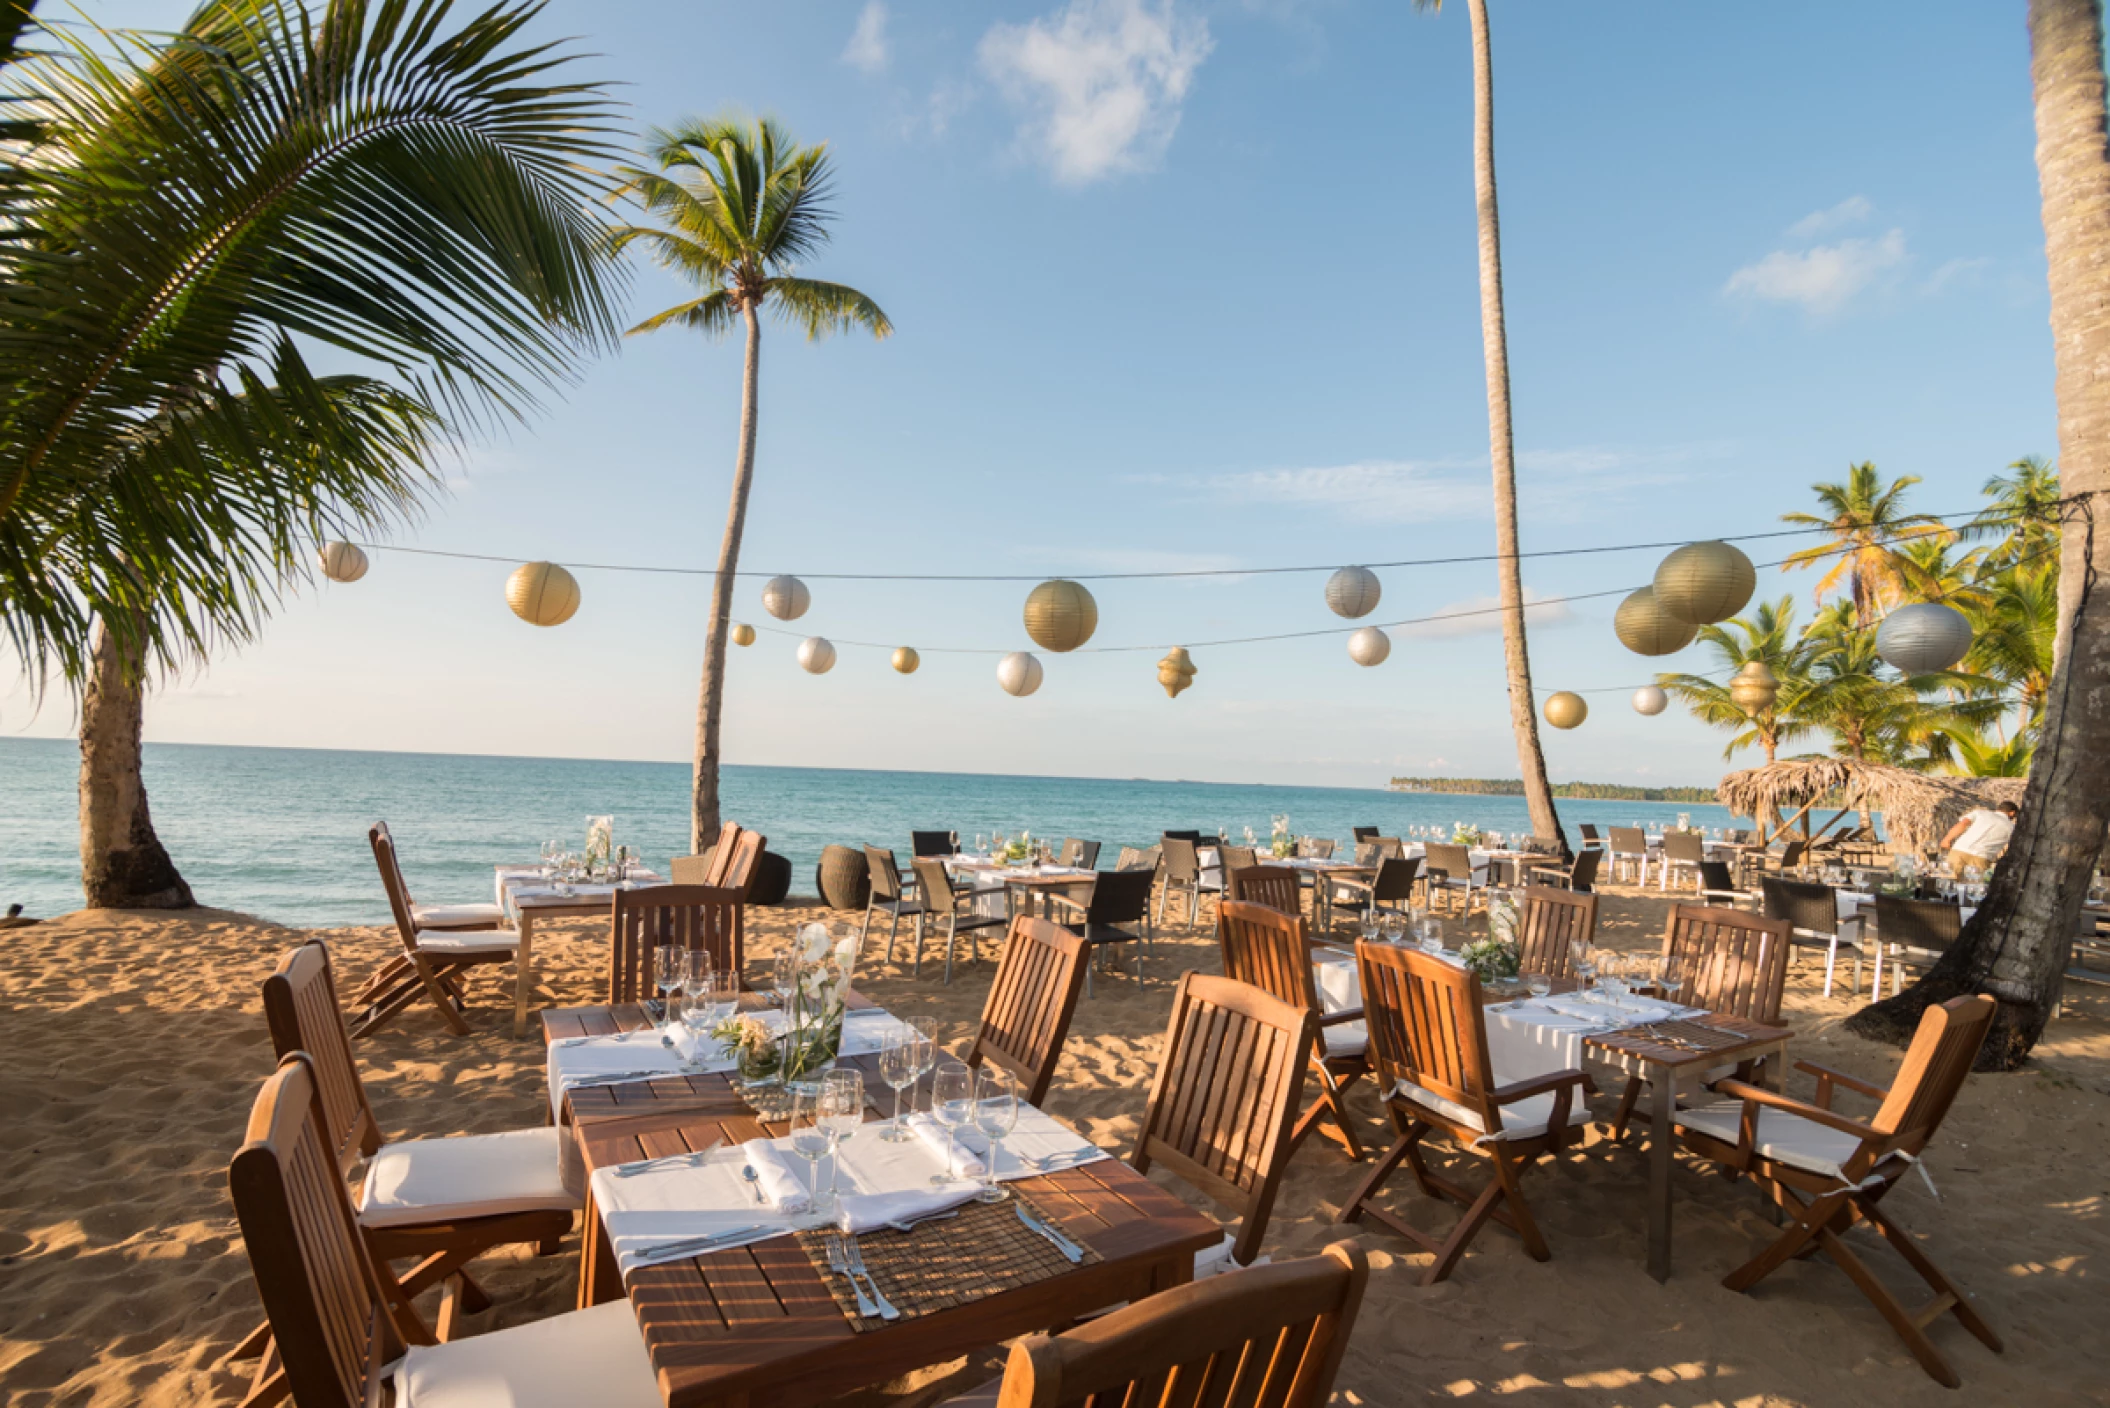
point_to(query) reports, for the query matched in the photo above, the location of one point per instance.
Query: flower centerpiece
(1020, 847)
(600, 842)
(1493, 959)
(1463, 835)
(813, 1008)
(1281, 844)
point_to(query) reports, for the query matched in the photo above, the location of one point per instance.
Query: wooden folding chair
(433, 961)
(1828, 1172)
(1272, 951)
(1275, 886)
(698, 917)
(1429, 1039)
(1027, 1015)
(1224, 1102)
(709, 867)
(1554, 927)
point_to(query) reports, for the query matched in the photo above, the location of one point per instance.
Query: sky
(1179, 285)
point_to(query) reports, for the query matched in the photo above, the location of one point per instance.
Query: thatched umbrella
(1918, 808)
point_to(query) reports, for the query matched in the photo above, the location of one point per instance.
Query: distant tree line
(1513, 787)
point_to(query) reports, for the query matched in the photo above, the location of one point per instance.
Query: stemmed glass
(783, 976)
(1369, 923)
(1392, 927)
(1669, 976)
(927, 1050)
(811, 1139)
(699, 999)
(670, 963)
(900, 1063)
(952, 1103)
(981, 845)
(1432, 935)
(842, 1108)
(549, 859)
(995, 1115)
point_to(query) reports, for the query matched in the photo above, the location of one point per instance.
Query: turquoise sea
(281, 832)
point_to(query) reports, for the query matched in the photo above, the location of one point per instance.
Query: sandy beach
(136, 1043)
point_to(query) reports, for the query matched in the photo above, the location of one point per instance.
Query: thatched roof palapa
(1918, 808)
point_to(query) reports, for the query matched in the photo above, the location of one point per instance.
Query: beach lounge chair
(433, 961)
(1553, 928)
(697, 917)
(1812, 911)
(1026, 1018)
(1275, 886)
(942, 901)
(1828, 1172)
(1271, 951)
(449, 918)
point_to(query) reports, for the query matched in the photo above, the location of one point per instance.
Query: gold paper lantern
(906, 660)
(743, 634)
(785, 598)
(342, 562)
(1176, 671)
(542, 593)
(816, 655)
(1018, 673)
(1369, 646)
(1649, 700)
(1702, 583)
(1566, 709)
(1646, 629)
(1755, 687)
(1353, 592)
(1061, 615)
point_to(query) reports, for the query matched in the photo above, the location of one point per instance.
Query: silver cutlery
(911, 1224)
(615, 1078)
(840, 1265)
(754, 1182)
(666, 1160)
(857, 1268)
(695, 1246)
(1062, 1158)
(1068, 1248)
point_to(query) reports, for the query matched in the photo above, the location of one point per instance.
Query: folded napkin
(783, 1176)
(1626, 1011)
(1038, 1144)
(595, 1060)
(857, 1213)
(645, 1213)
(968, 1143)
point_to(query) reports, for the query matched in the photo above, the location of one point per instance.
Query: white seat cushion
(1782, 1135)
(586, 1356)
(1216, 1260)
(1522, 1120)
(452, 941)
(455, 916)
(1347, 1039)
(469, 1175)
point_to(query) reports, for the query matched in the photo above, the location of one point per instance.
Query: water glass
(952, 1104)
(928, 1052)
(842, 1108)
(1538, 984)
(995, 1115)
(900, 1064)
(1395, 929)
(1368, 923)
(811, 1141)
(1432, 935)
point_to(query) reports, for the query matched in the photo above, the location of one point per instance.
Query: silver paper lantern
(786, 598)
(1650, 701)
(1353, 592)
(1645, 628)
(1019, 673)
(342, 562)
(1369, 646)
(1923, 639)
(816, 655)
(1566, 709)
(1702, 583)
(542, 593)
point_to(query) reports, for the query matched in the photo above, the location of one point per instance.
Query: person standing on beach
(1980, 837)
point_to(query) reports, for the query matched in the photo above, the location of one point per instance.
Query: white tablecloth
(990, 881)
(515, 883)
(588, 1057)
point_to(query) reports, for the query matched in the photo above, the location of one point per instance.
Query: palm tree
(1767, 635)
(2014, 625)
(1866, 520)
(742, 205)
(1494, 337)
(2024, 513)
(372, 180)
(1875, 715)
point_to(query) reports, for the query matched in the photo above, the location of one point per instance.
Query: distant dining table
(526, 894)
(995, 882)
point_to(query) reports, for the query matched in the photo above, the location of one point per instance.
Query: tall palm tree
(1878, 716)
(741, 207)
(2024, 513)
(376, 180)
(1867, 520)
(1767, 635)
(2015, 623)
(1494, 338)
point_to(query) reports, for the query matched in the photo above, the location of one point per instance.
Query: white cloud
(1482, 615)
(1101, 82)
(1955, 272)
(867, 49)
(1851, 211)
(1823, 278)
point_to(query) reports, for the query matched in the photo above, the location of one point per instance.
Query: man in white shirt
(1980, 837)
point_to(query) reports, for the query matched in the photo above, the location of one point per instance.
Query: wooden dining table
(593, 901)
(756, 1327)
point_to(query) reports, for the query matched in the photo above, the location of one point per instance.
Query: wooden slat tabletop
(1633, 1047)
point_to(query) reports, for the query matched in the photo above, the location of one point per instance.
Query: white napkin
(968, 1143)
(785, 1187)
(586, 1059)
(869, 1212)
(644, 1210)
(1628, 1010)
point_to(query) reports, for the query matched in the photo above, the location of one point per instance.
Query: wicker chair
(1812, 911)
(1118, 912)
(887, 898)
(933, 843)
(942, 902)
(1911, 934)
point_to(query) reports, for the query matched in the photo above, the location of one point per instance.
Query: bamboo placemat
(982, 1252)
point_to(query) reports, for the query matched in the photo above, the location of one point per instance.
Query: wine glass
(1368, 922)
(928, 1051)
(811, 1139)
(995, 1115)
(981, 845)
(952, 1103)
(1394, 929)
(783, 977)
(900, 1063)
(669, 963)
(549, 858)
(842, 1111)
(1670, 976)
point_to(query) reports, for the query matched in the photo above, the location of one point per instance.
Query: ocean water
(281, 832)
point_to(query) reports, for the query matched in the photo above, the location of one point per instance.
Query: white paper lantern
(786, 598)
(1650, 700)
(1924, 638)
(542, 593)
(342, 562)
(816, 655)
(1353, 592)
(1019, 673)
(1369, 646)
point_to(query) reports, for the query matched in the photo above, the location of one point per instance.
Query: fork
(702, 1156)
(857, 1268)
(840, 1265)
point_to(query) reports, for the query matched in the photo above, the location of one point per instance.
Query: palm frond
(821, 308)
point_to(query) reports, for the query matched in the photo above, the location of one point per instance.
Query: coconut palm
(1767, 635)
(2023, 515)
(1977, 756)
(1867, 521)
(741, 206)
(2014, 621)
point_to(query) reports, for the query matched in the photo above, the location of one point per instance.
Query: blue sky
(1185, 284)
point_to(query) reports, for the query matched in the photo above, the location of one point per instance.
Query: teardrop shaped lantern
(1019, 673)
(1369, 646)
(786, 598)
(906, 660)
(1353, 592)
(1755, 687)
(1061, 615)
(1923, 639)
(1650, 700)
(1645, 628)
(342, 562)
(1702, 583)
(1176, 671)
(743, 634)
(816, 655)
(1566, 709)
(542, 593)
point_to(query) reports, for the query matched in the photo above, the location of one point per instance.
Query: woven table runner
(1694, 1035)
(982, 1252)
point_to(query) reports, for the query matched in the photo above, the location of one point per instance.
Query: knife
(1068, 1248)
(694, 1246)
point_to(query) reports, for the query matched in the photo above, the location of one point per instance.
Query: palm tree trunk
(123, 864)
(2018, 943)
(710, 702)
(1523, 716)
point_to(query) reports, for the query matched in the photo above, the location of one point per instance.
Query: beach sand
(135, 1044)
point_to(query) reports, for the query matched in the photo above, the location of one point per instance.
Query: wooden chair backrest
(392, 881)
(931, 843)
(1034, 995)
(1269, 1337)
(1226, 1095)
(1554, 923)
(1448, 859)
(698, 917)
(1272, 885)
(1685, 847)
(1628, 841)
(936, 883)
(1942, 1053)
(739, 873)
(885, 872)
(1803, 904)
(1928, 925)
(330, 1325)
(300, 1008)
(1269, 949)
(722, 855)
(1182, 860)
(1119, 896)
(1426, 1026)
(1729, 960)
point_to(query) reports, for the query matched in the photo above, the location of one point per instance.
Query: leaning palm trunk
(1523, 717)
(123, 865)
(710, 702)
(2016, 946)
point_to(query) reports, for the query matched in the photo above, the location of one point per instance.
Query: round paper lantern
(1650, 700)
(1923, 639)
(816, 655)
(1755, 687)
(906, 660)
(1369, 646)
(1176, 671)
(1061, 615)
(1646, 629)
(1702, 583)
(542, 593)
(1566, 709)
(743, 634)
(342, 562)
(1353, 592)
(1019, 673)
(786, 598)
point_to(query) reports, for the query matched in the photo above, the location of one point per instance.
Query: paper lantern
(786, 598)
(1755, 687)
(1702, 583)
(542, 593)
(1646, 629)
(1019, 673)
(1369, 646)
(743, 634)
(1650, 700)
(1061, 615)
(342, 562)
(906, 660)
(1923, 639)
(1353, 592)
(816, 655)
(1566, 709)
(1176, 671)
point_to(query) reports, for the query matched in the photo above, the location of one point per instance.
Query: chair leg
(1831, 959)
(1808, 1219)
(1526, 1226)
(952, 934)
(864, 931)
(1906, 1326)
(1358, 1202)
(1931, 1274)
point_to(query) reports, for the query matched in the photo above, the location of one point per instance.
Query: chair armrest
(1065, 898)
(1368, 887)
(1543, 1085)
(1827, 1078)
(1815, 1114)
(1346, 1014)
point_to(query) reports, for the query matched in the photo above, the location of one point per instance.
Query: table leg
(524, 971)
(1663, 1098)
